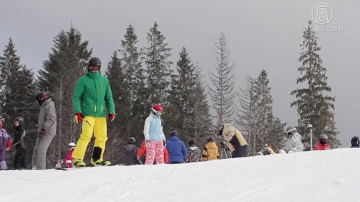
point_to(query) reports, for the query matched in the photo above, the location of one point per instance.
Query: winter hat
(192, 142)
(131, 140)
(323, 137)
(173, 133)
(210, 139)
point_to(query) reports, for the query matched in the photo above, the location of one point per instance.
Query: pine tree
(313, 103)
(332, 132)
(202, 121)
(271, 128)
(158, 66)
(8, 63)
(19, 95)
(222, 95)
(179, 115)
(134, 84)
(275, 133)
(59, 75)
(247, 115)
(256, 117)
(116, 76)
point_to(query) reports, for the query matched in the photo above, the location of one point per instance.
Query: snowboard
(66, 169)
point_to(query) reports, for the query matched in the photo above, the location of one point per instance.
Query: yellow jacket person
(211, 151)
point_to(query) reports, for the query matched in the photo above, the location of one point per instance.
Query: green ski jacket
(93, 95)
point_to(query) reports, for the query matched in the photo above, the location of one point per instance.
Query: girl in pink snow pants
(154, 136)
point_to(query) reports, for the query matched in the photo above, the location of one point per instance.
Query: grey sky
(262, 35)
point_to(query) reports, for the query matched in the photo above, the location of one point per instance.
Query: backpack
(194, 155)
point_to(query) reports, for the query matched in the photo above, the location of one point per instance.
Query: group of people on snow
(45, 133)
(294, 143)
(94, 106)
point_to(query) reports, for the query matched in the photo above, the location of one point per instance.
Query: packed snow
(331, 175)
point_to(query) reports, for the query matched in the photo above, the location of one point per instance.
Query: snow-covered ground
(309, 176)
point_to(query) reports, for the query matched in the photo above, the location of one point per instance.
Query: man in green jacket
(91, 98)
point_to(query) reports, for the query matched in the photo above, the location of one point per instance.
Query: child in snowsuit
(154, 136)
(20, 144)
(211, 150)
(322, 143)
(176, 148)
(129, 152)
(194, 153)
(68, 160)
(5, 144)
(142, 153)
(235, 140)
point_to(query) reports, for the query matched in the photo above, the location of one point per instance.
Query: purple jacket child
(5, 144)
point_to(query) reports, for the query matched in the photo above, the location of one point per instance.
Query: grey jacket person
(47, 122)
(47, 117)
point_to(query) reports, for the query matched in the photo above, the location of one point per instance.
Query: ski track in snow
(308, 176)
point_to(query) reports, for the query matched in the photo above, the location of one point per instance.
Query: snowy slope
(309, 176)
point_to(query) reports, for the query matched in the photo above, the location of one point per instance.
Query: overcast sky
(262, 35)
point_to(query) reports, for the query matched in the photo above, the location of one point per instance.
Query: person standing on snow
(5, 145)
(142, 152)
(235, 140)
(92, 96)
(46, 130)
(176, 148)
(355, 142)
(194, 153)
(154, 136)
(293, 143)
(322, 143)
(211, 150)
(129, 152)
(20, 144)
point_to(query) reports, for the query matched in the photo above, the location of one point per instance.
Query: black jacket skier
(129, 153)
(20, 144)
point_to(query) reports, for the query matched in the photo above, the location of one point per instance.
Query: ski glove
(147, 143)
(78, 117)
(42, 132)
(111, 117)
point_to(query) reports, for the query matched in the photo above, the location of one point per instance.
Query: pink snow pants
(155, 151)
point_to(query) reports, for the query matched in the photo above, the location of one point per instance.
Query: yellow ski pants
(90, 125)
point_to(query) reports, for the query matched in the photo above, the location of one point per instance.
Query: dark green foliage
(19, 100)
(255, 115)
(59, 75)
(157, 66)
(314, 104)
(188, 111)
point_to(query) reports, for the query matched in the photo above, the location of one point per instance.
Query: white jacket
(294, 144)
